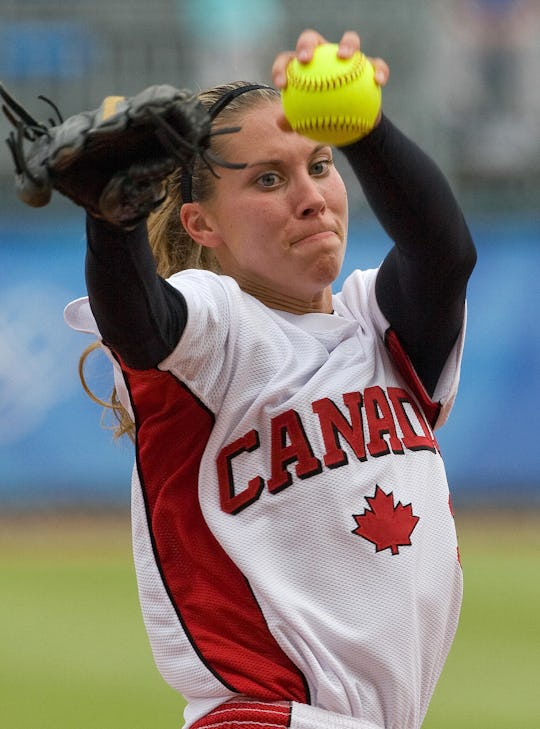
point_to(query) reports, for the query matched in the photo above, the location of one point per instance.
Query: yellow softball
(331, 100)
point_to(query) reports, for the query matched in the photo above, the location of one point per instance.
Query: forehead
(263, 132)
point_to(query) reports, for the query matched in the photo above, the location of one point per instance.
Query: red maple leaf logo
(385, 525)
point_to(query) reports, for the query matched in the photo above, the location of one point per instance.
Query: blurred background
(464, 85)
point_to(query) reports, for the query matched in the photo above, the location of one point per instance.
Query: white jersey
(292, 527)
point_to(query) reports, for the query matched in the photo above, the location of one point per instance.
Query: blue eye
(269, 179)
(320, 166)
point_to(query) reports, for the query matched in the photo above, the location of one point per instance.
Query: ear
(198, 225)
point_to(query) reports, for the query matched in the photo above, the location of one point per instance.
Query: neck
(321, 304)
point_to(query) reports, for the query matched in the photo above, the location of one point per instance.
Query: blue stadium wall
(53, 452)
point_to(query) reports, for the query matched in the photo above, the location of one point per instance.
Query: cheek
(336, 198)
(342, 202)
(263, 224)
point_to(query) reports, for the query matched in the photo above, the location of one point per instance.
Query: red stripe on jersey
(405, 366)
(212, 598)
(246, 715)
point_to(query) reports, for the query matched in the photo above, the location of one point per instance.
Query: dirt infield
(39, 533)
(103, 530)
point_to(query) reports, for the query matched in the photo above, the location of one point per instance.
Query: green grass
(492, 677)
(73, 646)
(75, 655)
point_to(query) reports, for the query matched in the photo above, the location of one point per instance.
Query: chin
(327, 269)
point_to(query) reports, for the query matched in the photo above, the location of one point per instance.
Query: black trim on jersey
(151, 533)
(141, 471)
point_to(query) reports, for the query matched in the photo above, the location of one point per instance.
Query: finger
(279, 69)
(283, 123)
(307, 41)
(381, 71)
(349, 44)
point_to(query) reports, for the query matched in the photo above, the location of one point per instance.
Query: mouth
(315, 237)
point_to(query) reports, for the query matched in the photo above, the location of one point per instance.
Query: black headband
(187, 178)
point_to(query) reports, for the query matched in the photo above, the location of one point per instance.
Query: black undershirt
(420, 287)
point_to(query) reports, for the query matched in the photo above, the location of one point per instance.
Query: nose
(310, 199)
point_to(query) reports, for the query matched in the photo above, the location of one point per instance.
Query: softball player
(294, 542)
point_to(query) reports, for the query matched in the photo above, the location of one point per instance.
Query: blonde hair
(172, 247)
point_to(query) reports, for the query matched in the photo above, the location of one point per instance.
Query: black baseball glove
(114, 160)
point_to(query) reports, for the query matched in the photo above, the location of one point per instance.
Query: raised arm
(140, 316)
(113, 162)
(422, 283)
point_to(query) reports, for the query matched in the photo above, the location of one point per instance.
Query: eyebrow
(261, 162)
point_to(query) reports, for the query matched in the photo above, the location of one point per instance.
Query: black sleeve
(422, 282)
(140, 316)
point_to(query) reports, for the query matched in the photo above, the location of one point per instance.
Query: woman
(294, 544)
